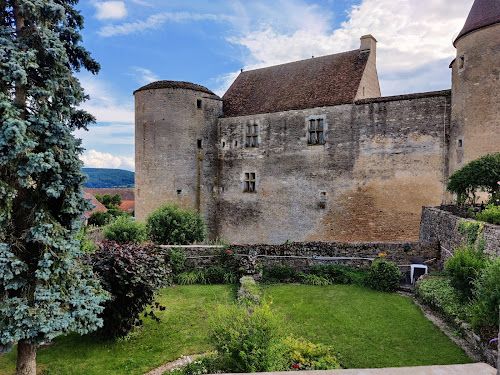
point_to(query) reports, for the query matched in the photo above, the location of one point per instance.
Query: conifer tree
(44, 288)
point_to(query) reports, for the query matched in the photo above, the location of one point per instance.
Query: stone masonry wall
(442, 227)
(382, 160)
(300, 256)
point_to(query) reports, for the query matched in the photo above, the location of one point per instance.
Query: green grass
(368, 328)
(183, 330)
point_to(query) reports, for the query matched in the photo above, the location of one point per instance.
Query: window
(315, 131)
(249, 183)
(461, 62)
(252, 135)
(198, 103)
(200, 144)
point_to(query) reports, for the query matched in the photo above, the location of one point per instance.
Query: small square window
(249, 183)
(315, 131)
(252, 135)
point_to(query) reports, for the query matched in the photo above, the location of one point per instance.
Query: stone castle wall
(383, 159)
(475, 129)
(442, 226)
(176, 150)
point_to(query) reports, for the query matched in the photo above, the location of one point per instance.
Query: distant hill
(108, 178)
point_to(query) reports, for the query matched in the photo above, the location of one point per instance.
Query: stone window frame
(249, 182)
(252, 134)
(316, 130)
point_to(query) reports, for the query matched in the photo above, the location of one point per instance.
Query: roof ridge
(303, 60)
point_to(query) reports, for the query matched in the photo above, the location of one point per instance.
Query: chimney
(368, 43)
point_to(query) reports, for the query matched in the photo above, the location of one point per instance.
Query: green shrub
(384, 276)
(170, 224)
(491, 214)
(248, 293)
(470, 228)
(479, 174)
(100, 219)
(86, 244)
(123, 230)
(191, 277)
(464, 268)
(248, 342)
(219, 275)
(487, 293)
(301, 354)
(131, 274)
(338, 274)
(176, 258)
(280, 272)
(441, 296)
(311, 279)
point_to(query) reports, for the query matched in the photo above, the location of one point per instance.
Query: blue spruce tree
(44, 288)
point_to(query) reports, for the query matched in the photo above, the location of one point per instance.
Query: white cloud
(413, 36)
(144, 76)
(103, 103)
(113, 134)
(110, 10)
(96, 159)
(155, 21)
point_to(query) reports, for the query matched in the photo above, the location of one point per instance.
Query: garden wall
(441, 226)
(302, 255)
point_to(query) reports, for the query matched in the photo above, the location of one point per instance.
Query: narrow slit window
(198, 103)
(200, 144)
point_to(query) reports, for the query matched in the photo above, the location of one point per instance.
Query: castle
(310, 151)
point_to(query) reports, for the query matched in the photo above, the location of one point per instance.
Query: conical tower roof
(483, 13)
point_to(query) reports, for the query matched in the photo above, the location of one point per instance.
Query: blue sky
(208, 41)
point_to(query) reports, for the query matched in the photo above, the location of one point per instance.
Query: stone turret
(475, 126)
(175, 146)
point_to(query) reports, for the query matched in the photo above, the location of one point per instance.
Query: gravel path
(179, 362)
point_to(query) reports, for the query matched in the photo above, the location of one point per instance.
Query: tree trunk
(26, 358)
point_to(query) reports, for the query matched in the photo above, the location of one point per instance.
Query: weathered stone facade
(291, 152)
(381, 161)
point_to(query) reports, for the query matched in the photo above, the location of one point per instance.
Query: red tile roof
(483, 13)
(98, 206)
(127, 206)
(316, 82)
(126, 194)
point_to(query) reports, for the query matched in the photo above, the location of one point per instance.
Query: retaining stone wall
(441, 226)
(302, 255)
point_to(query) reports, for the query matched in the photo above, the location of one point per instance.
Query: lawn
(368, 328)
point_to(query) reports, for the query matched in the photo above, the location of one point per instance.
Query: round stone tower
(475, 114)
(175, 147)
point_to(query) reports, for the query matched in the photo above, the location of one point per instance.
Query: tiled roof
(126, 194)
(174, 85)
(316, 82)
(127, 206)
(483, 13)
(98, 206)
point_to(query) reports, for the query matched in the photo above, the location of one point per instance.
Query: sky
(207, 42)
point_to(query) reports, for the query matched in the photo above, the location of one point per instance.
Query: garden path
(184, 360)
